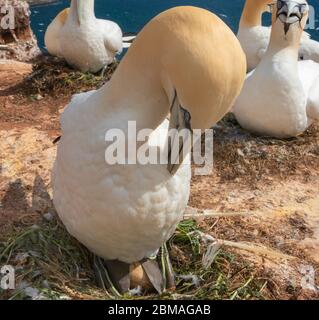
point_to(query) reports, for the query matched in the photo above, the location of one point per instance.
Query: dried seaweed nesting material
(54, 77)
(243, 157)
(51, 264)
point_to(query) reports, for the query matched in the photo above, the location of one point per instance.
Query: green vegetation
(50, 264)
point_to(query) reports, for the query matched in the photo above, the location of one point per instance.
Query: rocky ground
(17, 40)
(261, 205)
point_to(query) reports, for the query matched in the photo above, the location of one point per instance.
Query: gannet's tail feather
(128, 39)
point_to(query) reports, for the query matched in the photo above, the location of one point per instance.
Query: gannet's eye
(280, 4)
(303, 8)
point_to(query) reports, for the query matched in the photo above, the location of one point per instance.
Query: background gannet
(87, 43)
(254, 37)
(280, 98)
(126, 212)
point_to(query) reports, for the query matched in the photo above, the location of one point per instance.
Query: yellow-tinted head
(191, 51)
(206, 65)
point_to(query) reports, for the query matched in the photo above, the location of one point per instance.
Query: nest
(241, 156)
(54, 77)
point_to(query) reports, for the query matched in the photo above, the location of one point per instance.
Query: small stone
(240, 153)
(64, 297)
(22, 257)
(135, 292)
(48, 216)
(23, 285)
(193, 278)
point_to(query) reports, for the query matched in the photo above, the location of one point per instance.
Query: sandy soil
(266, 208)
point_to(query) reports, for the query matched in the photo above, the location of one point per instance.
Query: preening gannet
(280, 97)
(127, 212)
(254, 37)
(85, 42)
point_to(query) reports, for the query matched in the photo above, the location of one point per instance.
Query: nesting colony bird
(254, 37)
(125, 213)
(85, 42)
(280, 97)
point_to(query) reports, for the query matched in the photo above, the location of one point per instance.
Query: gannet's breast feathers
(309, 50)
(305, 36)
(313, 101)
(113, 36)
(309, 75)
(159, 136)
(308, 72)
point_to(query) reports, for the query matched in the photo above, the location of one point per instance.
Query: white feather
(123, 212)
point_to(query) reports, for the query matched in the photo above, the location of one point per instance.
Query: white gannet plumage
(280, 97)
(126, 212)
(85, 42)
(254, 37)
(52, 34)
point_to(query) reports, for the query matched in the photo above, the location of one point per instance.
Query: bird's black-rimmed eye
(280, 4)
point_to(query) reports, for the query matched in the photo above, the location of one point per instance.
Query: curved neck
(82, 10)
(252, 14)
(136, 91)
(284, 47)
(286, 43)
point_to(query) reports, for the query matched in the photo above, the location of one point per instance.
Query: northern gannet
(280, 97)
(254, 37)
(125, 213)
(85, 42)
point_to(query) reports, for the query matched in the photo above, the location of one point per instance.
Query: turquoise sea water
(132, 15)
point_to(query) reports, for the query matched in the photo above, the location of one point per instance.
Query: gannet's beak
(180, 136)
(290, 12)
